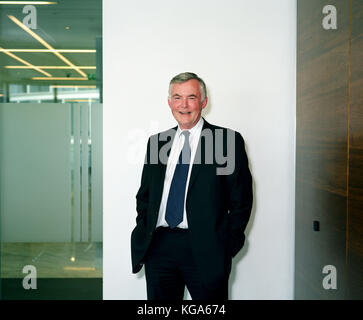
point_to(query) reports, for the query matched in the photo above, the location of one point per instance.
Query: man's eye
(176, 98)
(192, 98)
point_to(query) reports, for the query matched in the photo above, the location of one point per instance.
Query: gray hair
(184, 77)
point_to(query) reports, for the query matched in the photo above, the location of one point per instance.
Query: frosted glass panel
(51, 196)
(35, 172)
(50, 203)
(86, 210)
(96, 167)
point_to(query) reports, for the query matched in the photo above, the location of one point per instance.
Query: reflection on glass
(51, 150)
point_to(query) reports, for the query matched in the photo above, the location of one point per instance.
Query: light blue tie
(175, 204)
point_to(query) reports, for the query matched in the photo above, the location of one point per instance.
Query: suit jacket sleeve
(142, 196)
(241, 197)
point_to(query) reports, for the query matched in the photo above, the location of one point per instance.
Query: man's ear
(169, 102)
(204, 103)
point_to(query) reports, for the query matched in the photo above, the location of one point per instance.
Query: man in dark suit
(194, 201)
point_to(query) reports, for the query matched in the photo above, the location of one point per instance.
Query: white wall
(245, 52)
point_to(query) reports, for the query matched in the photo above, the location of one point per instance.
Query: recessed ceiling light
(67, 28)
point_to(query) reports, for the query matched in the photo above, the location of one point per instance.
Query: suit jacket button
(151, 233)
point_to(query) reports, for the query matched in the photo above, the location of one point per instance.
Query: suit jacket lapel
(200, 150)
(162, 165)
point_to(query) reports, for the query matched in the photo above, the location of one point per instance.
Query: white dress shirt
(170, 168)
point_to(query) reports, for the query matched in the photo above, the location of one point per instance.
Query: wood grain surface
(329, 150)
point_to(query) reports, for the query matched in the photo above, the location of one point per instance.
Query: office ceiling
(69, 24)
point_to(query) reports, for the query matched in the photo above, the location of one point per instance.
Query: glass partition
(51, 150)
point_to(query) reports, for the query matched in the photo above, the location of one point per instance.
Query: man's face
(185, 103)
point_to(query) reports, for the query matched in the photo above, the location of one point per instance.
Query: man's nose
(184, 103)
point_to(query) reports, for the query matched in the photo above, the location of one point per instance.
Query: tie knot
(185, 153)
(186, 134)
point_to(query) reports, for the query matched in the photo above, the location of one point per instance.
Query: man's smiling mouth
(184, 112)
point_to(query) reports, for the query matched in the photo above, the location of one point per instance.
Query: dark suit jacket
(218, 207)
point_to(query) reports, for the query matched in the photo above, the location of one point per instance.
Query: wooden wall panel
(355, 209)
(321, 148)
(329, 150)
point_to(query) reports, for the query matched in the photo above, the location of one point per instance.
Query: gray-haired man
(190, 218)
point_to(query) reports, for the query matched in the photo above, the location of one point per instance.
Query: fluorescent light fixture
(70, 86)
(46, 44)
(79, 269)
(25, 62)
(59, 78)
(27, 2)
(79, 100)
(53, 50)
(49, 67)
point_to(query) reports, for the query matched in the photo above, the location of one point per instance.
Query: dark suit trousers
(170, 266)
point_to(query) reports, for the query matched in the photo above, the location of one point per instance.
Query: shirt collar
(193, 130)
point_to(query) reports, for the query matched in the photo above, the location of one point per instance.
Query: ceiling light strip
(45, 44)
(59, 78)
(79, 268)
(49, 67)
(54, 50)
(79, 100)
(27, 2)
(71, 86)
(25, 62)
